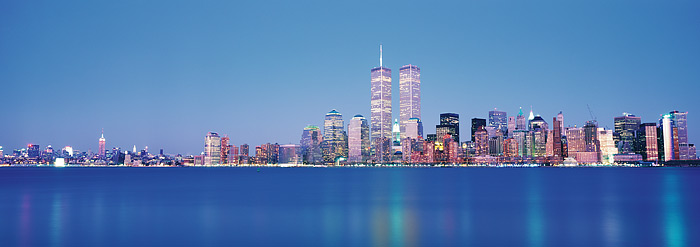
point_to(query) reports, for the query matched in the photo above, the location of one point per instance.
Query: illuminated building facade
(625, 128)
(409, 95)
(450, 123)
(477, 123)
(311, 145)
(646, 143)
(499, 120)
(358, 139)
(101, 146)
(334, 142)
(380, 119)
(212, 149)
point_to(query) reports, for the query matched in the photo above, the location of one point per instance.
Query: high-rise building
(520, 121)
(477, 123)
(409, 95)
(538, 123)
(225, 149)
(481, 138)
(560, 118)
(212, 149)
(101, 146)
(244, 157)
(414, 128)
(646, 143)
(358, 139)
(625, 128)
(380, 125)
(679, 121)
(511, 125)
(334, 142)
(311, 145)
(451, 122)
(590, 130)
(667, 138)
(396, 133)
(499, 119)
(290, 154)
(607, 145)
(556, 138)
(33, 151)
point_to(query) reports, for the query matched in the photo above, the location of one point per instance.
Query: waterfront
(350, 206)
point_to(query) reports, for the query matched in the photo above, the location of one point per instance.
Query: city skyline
(150, 89)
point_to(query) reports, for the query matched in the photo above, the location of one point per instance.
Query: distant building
(646, 143)
(101, 146)
(244, 157)
(311, 145)
(358, 139)
(451, 120)
(225, 150)
(590, 130)
(409, 95)
(511, 126)
(607, 145)
(477, 123)
(625, 128)
(212, 149)
(290, 154)
(414, 128)
(499, 119)
(33, 151)
(482, 142)
(380, 120)
(520, 121)
(334, 142)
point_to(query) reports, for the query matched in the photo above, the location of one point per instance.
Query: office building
(409, 95)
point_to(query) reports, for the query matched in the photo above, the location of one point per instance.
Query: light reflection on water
(353, 207)
(673, 210)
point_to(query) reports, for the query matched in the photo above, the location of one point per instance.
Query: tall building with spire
(101, 149)
(409, 95)
(380, 108)
(520, 121)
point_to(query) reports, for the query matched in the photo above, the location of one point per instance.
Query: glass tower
(380, 108)
(409, 95)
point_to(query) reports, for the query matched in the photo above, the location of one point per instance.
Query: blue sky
(163, 73)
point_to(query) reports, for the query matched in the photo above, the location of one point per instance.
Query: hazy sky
(164, 73)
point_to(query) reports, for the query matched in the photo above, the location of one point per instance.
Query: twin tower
(381, 110)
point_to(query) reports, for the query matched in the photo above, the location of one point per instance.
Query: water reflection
(26, 220)
(57, 216)
(535, 224)
(611, 218)
(673, 209)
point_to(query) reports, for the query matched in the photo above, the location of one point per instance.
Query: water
(350, 207)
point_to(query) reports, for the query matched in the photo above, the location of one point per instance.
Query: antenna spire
(380, 55)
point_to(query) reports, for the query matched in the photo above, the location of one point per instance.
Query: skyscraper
(511, 125)
(358, 139)
(101, 149)
(450, 122)
(556, 138)
(409, 95)
(679, 121)
(381, 111)
(667, 137)
(560, 118)
(225, 149)
(590, 130)
(311, 144)
(414, 128)
(520, 121)
(477, 123)
(499, 119)
(646, 143)
(334, 142)
(625, 128)
(212, 149)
